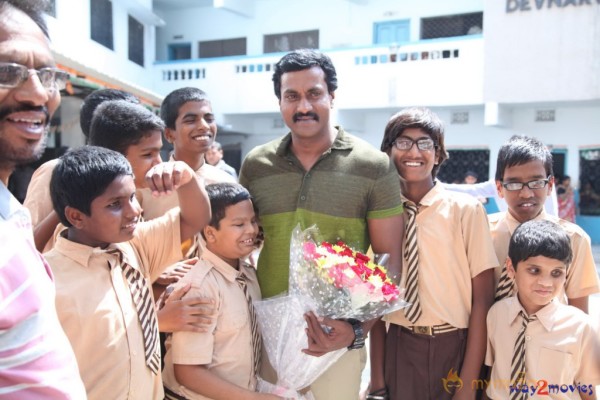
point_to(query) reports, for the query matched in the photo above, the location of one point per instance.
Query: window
(453, 170)
(291, 41)
(452, 25)
(101, 22)
(222, 48)
(559, 158)
(180, 51)
(589, 181)
(136, 41)
(391, 31)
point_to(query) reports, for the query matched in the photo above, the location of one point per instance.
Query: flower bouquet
(345, 283)
(332, 280)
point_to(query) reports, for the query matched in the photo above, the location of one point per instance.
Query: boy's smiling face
(236, 235)
(538, 280)
(525, 204)
(414, 165)
(113, 217)
(195, 128)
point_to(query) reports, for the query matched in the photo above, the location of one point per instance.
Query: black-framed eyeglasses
(423, 144)
(536, 184)
(13, 75)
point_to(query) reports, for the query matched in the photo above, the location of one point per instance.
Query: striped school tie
(256, 341)
(411, 255)
(505, 285)
(518, 370)
(144, 304)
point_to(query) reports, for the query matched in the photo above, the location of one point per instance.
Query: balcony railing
(429, 72)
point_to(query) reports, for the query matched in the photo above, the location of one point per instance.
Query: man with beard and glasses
(36, 359)
(319, 174)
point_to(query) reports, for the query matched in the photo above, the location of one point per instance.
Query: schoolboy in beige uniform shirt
(220, 363)
(562, 347)
(93, 191)
(224, 348)
(101, 324)
(455, 278)
(191, 128)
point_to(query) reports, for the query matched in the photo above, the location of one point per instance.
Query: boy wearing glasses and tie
(524, 178)
(447, 271)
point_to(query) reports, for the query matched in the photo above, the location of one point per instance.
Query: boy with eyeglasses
(447, 271)
(524, 178)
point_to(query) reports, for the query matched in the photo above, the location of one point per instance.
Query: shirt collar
(512, 222)
(342, 141)
(9, 205)
(82, 253)
(430, 197)
(224, 269)
(546, 315)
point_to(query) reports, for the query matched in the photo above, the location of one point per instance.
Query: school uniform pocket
(555, 367)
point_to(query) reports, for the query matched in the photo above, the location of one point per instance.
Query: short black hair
(83, 174)
(118, 124)
(169, 109)
(539, 238)
(300, 60)
(94, 99)
(34, 9)
(223, 195)
(417, 118)
(520, 150)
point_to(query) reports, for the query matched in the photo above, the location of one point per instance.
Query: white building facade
(489, 68)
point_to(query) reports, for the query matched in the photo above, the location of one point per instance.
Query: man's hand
(166, 177)
(191, 315)
(320, 342)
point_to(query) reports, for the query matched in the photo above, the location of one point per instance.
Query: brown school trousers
(415, 364)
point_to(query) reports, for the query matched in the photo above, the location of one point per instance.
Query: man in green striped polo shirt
(319, 174)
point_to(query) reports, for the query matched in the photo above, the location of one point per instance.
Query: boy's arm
(192, 314)
(581, 303)
(483, 298)
(582, 278)
(203, 381)
(193, 200)
(43, 231)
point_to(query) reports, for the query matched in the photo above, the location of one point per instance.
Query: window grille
(452, 25)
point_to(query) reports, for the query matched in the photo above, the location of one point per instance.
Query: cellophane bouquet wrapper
(282, 327)
(332, 280)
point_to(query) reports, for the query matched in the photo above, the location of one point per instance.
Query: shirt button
(528, 338)
(302, 197)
